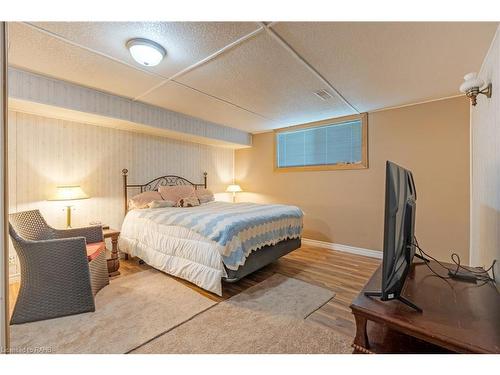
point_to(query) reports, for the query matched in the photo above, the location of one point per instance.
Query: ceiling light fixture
(471, 87)
(145, 51)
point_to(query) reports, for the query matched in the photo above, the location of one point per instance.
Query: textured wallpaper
(35, 88)
(485, 165)
(44, 153)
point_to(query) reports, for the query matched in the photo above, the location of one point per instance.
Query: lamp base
(68, 216)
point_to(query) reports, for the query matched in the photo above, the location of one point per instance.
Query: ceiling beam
(73, 102)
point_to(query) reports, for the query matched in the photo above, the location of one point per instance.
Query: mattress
(197, 243)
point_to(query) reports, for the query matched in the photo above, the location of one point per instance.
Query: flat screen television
(399, 230)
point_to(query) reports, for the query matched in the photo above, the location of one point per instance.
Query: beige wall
(347, 207)
(485, 142)
(45, 152)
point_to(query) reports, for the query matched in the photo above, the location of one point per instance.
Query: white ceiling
(257, 77)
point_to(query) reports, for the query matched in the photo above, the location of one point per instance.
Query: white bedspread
(177, 240)
(175, 250)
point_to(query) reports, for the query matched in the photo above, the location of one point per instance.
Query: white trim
(415, 103)
(378, 110)
(344, 248)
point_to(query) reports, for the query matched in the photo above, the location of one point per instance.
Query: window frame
(326, 167)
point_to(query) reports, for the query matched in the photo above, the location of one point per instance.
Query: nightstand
(114, 261)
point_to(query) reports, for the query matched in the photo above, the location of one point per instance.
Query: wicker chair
(58, 278)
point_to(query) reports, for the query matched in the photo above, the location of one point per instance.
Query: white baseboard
(344, 248)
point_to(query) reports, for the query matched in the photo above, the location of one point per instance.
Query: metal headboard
(168, 180)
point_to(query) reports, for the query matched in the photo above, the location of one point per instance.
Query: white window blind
(322, 145)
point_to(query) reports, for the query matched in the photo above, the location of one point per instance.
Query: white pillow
(143, 199)
(161, 204)
(204, 195)
(174, 193)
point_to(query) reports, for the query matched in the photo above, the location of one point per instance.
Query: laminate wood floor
(344, 273)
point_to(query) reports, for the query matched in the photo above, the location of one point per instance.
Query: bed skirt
(262, 257)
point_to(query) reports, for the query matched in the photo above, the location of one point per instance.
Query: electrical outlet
(12, 259)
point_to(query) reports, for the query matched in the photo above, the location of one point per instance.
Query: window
(325, 145)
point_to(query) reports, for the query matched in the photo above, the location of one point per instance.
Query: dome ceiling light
(145, 51)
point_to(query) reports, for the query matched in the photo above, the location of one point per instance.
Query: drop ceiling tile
(379, 64)
(179, 98)
(185, 42)
(40, 53)
(260, 75)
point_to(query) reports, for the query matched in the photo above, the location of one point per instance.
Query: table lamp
(234, 189)
(69, 193)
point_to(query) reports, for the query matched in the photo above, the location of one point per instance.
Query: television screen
(399, 227)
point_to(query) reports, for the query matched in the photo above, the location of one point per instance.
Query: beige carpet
(129, 311)
(267, 318)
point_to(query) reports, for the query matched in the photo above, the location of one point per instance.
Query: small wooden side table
(114, 261)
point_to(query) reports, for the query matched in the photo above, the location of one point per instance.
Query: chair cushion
(95, 249)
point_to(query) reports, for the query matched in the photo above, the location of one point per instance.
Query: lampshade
(471, 80)
(233, 188)
(69, 193)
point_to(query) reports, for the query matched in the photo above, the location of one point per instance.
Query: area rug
(130, 311)
(270, 317)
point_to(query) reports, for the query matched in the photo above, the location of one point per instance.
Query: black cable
(422, 252)
(430, 268)
(481, 275)
(474, 271)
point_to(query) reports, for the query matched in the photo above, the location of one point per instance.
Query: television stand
(399, 298)
(457, 317)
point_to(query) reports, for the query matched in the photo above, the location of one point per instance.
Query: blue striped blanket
(237, 228)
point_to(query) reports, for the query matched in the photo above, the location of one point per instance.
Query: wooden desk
(458, 316)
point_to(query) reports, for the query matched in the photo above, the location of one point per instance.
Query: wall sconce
(471, 87)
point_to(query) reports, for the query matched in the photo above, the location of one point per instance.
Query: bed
(210, 243)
